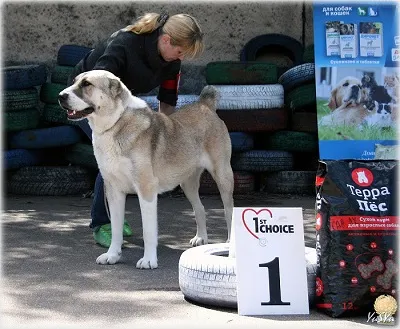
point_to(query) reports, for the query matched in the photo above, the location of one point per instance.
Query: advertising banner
(357, 56)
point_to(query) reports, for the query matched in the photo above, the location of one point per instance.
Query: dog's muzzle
(71, 113)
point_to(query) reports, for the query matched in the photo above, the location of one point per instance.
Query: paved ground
(50, 279)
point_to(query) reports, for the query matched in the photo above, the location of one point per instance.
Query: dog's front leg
(116, 201)
(148, 208)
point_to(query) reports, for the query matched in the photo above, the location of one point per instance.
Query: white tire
(208, 276)
(250, 97)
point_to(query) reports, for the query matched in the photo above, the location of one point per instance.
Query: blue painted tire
(241, 141)
(70, 55)
(296, 76)
(24, 76)
(18, 158)
(45, 137)
(262, 161)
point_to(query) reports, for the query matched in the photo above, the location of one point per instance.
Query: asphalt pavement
(50, 278)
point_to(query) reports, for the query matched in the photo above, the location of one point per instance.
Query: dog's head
(344, 29)
(348, 91)
(96, 93)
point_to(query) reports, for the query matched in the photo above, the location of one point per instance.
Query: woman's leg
(98, 213)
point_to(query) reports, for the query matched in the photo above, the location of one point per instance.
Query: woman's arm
(166, 108)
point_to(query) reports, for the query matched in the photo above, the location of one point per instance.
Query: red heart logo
(256, 212)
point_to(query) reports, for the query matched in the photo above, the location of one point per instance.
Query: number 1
(274, 283)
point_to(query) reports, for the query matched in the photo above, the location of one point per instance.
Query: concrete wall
(33, 32)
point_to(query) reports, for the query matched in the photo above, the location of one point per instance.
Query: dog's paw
(145, 263)
(108, 259)
(198, 241)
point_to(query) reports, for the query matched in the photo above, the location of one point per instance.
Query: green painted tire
(304, 121)
(241, 73)
(21, 120)
(308, 55)
(291, 141)
(55, 113)
(49, 92)
(20, 99)
(301, 97)
(81, 154)
(60, 74)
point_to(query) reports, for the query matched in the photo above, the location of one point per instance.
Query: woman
(144, 56)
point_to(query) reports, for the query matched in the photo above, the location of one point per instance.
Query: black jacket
(134, 58)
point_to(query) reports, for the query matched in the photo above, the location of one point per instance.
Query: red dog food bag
(356, 235)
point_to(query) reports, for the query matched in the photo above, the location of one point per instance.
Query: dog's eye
(345, 84)
(85, 83)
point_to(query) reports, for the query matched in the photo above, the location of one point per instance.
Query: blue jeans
(98, 211)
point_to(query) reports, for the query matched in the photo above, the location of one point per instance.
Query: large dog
(145, 152)
(347, 103)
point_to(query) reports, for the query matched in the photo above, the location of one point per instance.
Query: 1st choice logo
(259, 223)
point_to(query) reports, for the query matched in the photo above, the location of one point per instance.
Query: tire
(308, 55)
(304, 122)
(18, 158)
(22, 99)
(250, 97)
(47, 180)
(244, 182)
(288, 46)
(207, 276)
(262, 161)
(81, 154)
(289, 182)
(291, 141)
(183, 100)
(301, 97)
(253, 121)
(22, 120)
(70, 55)
(241, 73)
(24, 76)
(61, 73)
(49, 92)
(241, 141)
(54, 113)
(297, 76)
(45, 137)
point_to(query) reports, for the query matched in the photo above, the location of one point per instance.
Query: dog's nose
(62, 97)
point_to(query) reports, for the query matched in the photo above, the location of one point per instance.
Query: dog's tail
(209, 96)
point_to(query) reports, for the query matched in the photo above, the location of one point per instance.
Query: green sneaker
(102, 234)
(127, 229)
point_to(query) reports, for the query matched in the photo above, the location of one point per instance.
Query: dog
(346, 104)
(145, 152)
(348, 91)
(346, 29)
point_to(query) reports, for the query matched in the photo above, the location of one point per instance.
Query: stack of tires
(35, 158)
(251, 102)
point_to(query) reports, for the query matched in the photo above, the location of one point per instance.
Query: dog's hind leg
(223, 176)
(191, 189)
(116, 201)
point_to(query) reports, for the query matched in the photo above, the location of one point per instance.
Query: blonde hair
(183, 29)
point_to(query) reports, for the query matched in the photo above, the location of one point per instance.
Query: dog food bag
(356, 235)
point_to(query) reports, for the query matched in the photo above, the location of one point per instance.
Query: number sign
(270, 261)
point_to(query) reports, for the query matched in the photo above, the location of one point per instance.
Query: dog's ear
(115, 87)
(332, 102)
